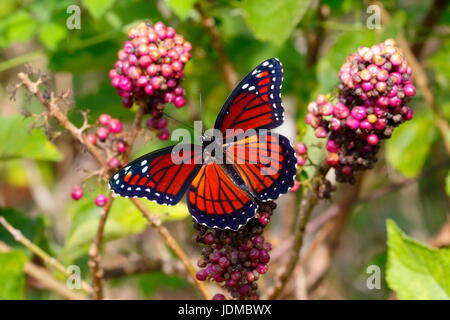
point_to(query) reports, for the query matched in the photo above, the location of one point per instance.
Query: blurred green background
(311, 38)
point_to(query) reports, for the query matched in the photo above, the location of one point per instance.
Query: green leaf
(51, 34)
(274, 20)
(414, 270)
(410, 144)
(439, 61)
(97, 7)
(19, 140)
(329, 65)
(12, 278)
(181, 7)
(124, 219)
(17, 27)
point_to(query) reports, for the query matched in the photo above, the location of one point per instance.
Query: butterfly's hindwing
(266, 162)
(216, 201)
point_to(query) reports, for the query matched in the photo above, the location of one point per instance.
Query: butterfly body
(230, 172)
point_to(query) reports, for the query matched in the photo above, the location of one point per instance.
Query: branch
(421, 80)
(172, 243)
(97, 272)
(332, 232)
(19, 237)
(227, 68)
(46, 279)
(425, 28)
(307, 205)
(315, 39)
(54, 111)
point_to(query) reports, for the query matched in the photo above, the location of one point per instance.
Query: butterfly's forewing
(216, 201)
(256, 102)
(266, 162)
(156, 176)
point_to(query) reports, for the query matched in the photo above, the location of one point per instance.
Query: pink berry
(77, 193)
(321, 132)
(341, 111)
(113, 163)
(91, 138)
(164, 134)
(115, 126)
(333, 159)
(347, 170)
(102, 133)
(301, 148)
(179, 101)
(366, 125)
(264, 218)
(262, 268)
(332, 146)
(372, 139)
(358, 112)
(409, 90)
(219, 296)
(104, 119)
(352, 123)
(121, 147)
(101, 200)
(301, 160)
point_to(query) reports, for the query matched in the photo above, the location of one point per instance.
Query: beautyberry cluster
(149, 71)
(236, 259)
(372, 100)
(301, 153)
(107, 133)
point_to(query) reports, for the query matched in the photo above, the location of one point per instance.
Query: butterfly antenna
(180, 122)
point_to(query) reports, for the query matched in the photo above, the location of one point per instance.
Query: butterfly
(260, 165)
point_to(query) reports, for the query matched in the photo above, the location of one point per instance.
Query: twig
(144, 265)
(334, 231)
(46, 279)
(172, 243)
(97, 272)
(306, 208)
(437, 8)
(131, 268)
(395, 186)
(52, 107)
(19, 60)
(442, 238)
(315, 39)
(227, 68)
(421, 80)
(19, 237)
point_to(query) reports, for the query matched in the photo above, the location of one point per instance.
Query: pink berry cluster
(372, 100)
(107, 135)
(236, 259)
(302, 157)
(150, 69)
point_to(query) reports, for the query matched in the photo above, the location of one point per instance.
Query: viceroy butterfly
(226, 195)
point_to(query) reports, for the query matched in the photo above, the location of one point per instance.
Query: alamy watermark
(374, 19)
(374, 279)
(73, 22)
(73, 281)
